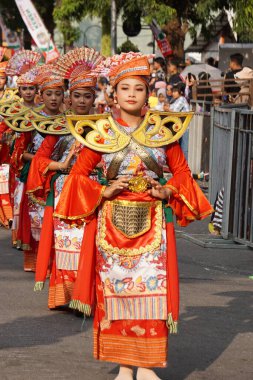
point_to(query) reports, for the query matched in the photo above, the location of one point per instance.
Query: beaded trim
(130, 70)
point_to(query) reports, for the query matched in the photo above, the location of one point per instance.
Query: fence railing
(231, 168)
(217, 91)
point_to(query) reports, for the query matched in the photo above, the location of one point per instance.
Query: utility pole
(113, 27)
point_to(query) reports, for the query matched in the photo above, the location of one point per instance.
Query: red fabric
(38, 181)
(21, 145)
(4, 144)
(24, 231)
(45, 245)
(80, 195)
(85, 282)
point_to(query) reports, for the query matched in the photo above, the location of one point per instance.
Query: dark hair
(203, 75)
(160, 61)
(237, 58)
(180, 87)
(103, 80)
(174, 62)
(210, 61)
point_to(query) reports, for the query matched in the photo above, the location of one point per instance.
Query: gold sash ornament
(101, 133)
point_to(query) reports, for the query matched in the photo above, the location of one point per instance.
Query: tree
(178, 17)
(69, 11)
(126, 47)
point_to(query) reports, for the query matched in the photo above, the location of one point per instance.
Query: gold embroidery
(139, 331)
(132, 219)
(102, 242)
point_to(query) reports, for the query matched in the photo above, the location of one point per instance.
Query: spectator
(161, 94)
(159, 66)
(189, 81)
(180, 104)
(235, 66)
(174, 76)
(153, 99)
(158, 73)
(211, 61)
(205, 93)
(169, 92)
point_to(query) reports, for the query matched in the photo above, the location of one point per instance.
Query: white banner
(37, 29)
(10, 38)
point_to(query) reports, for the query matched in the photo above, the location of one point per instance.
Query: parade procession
(96, 178)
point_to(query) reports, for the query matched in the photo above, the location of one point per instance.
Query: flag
(37, 29)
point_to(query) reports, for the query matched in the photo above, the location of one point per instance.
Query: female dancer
(5, 142)
(66, 242)
(128, 249)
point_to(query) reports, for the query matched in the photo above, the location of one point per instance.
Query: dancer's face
(131, 95)
(27, 93)
(52, 98)
(3, 80)
(82, 100)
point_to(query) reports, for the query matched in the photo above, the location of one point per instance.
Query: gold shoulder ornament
(98, 132)
(19, 117)
(51, 125)
(10, 95)
(162, 128)
(101, 133)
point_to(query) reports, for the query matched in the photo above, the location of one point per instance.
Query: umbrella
(215, 74)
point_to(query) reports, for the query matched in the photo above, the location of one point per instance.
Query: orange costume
(5, 143)
(60, 244)
(128, 273)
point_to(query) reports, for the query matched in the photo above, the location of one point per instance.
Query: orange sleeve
(5, 133)
(20, 146)
(38, 182)
(187, 201)
(80, 195)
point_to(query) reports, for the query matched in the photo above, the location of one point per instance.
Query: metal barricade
(231, 168)
(199, 137)
(242, 230)
(222, 143)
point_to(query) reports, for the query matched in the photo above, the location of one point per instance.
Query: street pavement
(215, 339)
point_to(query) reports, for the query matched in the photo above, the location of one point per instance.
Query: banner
(10, 38)
(37, 29)
(161, 39)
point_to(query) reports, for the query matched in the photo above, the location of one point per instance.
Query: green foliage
(126, 47)
(14, 21)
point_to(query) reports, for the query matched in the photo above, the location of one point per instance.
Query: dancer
(6, 136)
(22, 64)
(64, 247)
(128, 249)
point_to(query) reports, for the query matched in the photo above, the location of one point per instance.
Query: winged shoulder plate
(51, 125)
(162, 128)
(98, 132)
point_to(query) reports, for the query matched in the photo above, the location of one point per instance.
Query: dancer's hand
(116, 187)
(157, 190)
